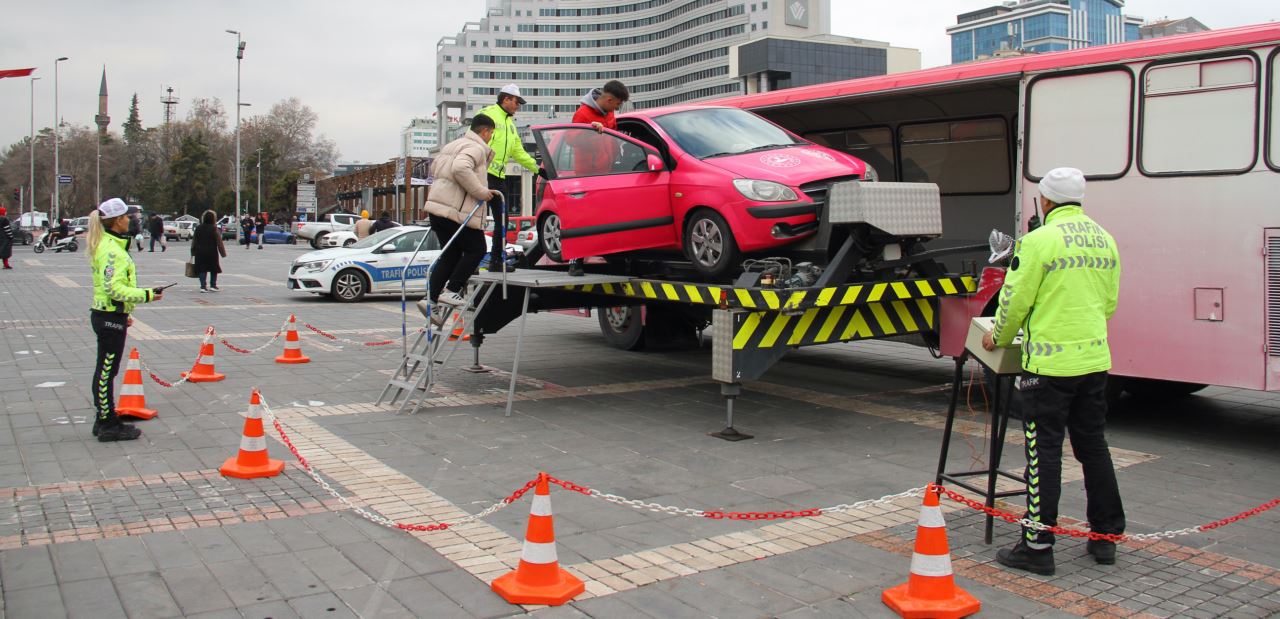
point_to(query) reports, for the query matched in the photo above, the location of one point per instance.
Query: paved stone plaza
(150, 529)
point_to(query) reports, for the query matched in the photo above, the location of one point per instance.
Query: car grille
(817, 190)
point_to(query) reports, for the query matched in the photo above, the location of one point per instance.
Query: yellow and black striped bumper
(783, 300)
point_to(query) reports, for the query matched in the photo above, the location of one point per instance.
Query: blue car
(274, 235)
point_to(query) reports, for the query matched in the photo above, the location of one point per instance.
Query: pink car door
(610, 195)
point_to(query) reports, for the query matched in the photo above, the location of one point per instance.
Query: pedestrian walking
(363, 226)
(506, 146)
(384, 223)
(135, 230)
(1061, 289)
(206, 250)
(460, 180)
(115, 293)
(246, 230)
(261, 224)
(155, 225)
(6, 238)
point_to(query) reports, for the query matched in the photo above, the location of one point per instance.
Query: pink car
(712, 183)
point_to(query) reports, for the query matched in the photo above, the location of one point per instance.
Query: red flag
(16, 72)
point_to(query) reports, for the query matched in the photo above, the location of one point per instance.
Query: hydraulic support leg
(730, 391)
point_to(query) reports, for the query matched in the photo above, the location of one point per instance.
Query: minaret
(102, 119)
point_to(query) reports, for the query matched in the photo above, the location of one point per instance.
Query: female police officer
(115, 293)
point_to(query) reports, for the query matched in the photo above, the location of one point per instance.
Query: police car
(372, 265)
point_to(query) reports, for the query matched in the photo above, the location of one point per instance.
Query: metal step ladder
(423, 361)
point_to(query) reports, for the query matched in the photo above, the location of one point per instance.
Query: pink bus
(1180, 139)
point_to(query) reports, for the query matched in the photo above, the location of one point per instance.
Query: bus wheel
(622, 326)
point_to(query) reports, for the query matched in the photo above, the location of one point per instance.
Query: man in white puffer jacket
(460, 181)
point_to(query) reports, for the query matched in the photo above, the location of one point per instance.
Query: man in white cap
(1061, 289)
(506, 146)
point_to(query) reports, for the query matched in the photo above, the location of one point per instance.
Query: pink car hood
(793, 166)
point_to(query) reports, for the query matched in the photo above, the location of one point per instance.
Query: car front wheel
(709, 243)
(549, 236)
(350, 286)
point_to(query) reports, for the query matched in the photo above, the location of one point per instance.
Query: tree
(133, 131)
(191, 174)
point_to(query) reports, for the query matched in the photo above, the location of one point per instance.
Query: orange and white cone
(459, 329)
(252, 461)
(930, 590)
(132, 402)
(292, 346)
(539, 579)
(203, 371)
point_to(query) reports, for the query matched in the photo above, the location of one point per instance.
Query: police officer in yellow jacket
(115, 293)
(1061, 289)
(506, 146)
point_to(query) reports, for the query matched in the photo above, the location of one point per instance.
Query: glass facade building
(1040, 26)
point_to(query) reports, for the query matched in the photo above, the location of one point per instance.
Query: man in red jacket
(594, 155)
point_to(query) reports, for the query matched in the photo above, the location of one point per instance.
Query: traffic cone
(930, 590)
(252, 461)
(539, 579)
(292, 347)
(459, 329)
(203, 371)
(132, 402)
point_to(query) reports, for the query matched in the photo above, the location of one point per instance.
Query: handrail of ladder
(404, 320)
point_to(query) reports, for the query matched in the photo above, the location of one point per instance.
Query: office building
(1171, 27)
(665, 51)
(1032, 26)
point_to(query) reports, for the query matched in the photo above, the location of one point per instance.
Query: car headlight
(871, 175)
(764, 191)
(314, 265)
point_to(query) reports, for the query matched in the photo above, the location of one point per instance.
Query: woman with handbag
(206, 248)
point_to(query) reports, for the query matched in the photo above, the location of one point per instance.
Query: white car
(341, 238)
(179, 230)
(372, 265)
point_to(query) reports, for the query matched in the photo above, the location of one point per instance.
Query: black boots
(114, 430)
(1023, 557)
(575, 268)
(1103, 552)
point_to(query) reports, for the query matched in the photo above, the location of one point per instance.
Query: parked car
(179, 230)
(79, 225)
(273, 234)
(314, 231)
(711, 183)
(527, 239)
(372, 265)
(341, 238)
(228, 228)
(22, 236)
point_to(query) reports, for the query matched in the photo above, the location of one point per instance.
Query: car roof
(672, 109)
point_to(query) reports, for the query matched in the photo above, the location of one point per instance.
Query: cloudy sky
(366, 67)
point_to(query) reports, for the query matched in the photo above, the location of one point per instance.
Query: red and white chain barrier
(208, 337)
(250, 351)
(1110, 537)
(765, 515)
(335, 338)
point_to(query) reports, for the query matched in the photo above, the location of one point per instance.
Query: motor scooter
(64, 244)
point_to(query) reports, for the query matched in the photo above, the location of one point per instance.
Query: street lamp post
(239, 57)
(57, 187)
(32, 151)
(259, 182)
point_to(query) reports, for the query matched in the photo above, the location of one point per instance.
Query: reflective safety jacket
(115, 284)
(506, 143)
(1061, 289)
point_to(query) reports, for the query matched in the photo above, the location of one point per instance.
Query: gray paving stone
(213, 545)
(21, 568)
(322, 605)
(334, 569)
(145, 596)
(195, 589)
(373, 601)
(471, 594)
(256, 539)
(289, 576)
(294, 533)
(375, 561)
(420, 597)
(91, 599)
(170, 549)
(124, 556)
(278, 609)
(243, 582)
(44, 601)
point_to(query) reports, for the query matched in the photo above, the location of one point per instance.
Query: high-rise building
(1171, 27)
(1040, 26)
(665, 51)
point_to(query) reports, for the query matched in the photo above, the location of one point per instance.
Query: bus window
(962, 157)
(1273, 154)
(1199, 117)
(1081, 121)
(875, 147)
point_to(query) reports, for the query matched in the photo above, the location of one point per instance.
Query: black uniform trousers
(498, 210)
(111, 329)
(459, 260)
(1051, 408)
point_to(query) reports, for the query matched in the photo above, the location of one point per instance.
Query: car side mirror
(388, 248)
(655, 163)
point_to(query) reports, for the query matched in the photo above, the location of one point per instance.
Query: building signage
(797, 13)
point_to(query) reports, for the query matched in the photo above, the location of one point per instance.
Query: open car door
(610, 192)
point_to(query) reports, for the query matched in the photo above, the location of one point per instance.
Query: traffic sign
(64, 179)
